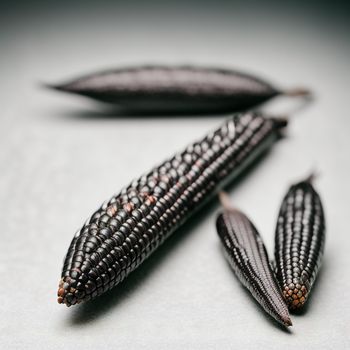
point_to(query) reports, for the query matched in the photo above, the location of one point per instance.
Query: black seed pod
(125, 230)
(299, 242)
(175, 89)
(247, 255)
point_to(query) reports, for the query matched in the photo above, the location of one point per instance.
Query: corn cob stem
(298, 92)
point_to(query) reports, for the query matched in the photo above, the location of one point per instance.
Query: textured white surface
(61, 157)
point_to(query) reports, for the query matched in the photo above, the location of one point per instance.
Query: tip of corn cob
(295, 295)
(66, 293)
(49, 86)
(280, 122)
(287, 321)
(62, 87)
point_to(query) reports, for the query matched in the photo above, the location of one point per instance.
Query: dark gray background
(61, 156)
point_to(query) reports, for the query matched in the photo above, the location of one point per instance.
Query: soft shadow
(90, 311)
(116, 113)
(302, 104)
(105, 114)
(107, 111)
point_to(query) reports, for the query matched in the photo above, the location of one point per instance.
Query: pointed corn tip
(287, 321)
(66, 293)
(53, 87)
(281, 122)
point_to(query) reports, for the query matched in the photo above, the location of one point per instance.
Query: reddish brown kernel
(61, 292)
(112, 210)
(128, 207)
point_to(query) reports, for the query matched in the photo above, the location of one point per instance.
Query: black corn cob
(299, 242)
(247, 255)
(126, 229)
(175, 89)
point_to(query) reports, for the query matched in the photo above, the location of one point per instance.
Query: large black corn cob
(126, 229)
(248, 258)
(300, 237)
(175, 89)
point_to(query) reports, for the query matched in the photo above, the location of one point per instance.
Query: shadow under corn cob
(126, 229)
(247, 255)
(175, 89)
(299, 242)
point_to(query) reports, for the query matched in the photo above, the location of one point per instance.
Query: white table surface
(61, 156)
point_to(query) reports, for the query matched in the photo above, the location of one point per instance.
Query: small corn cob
(247, 255)
(175, 89)
(299, 242)
(126, 229)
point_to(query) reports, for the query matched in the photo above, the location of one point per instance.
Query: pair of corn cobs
(299, 243)
(127, 228)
